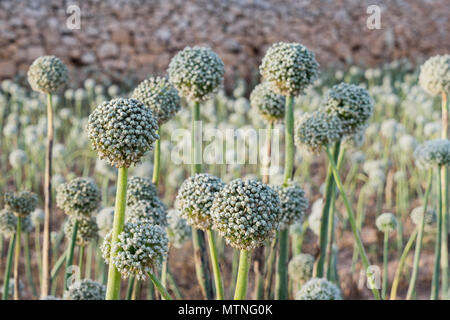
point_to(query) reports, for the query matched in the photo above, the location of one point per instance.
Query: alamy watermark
(374, 19)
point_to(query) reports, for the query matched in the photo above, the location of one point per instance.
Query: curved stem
(160, 287)
(113, 285)
(9, 262)
(156, 161)
(69, 256)
(351, 218)
(242, 278)
(215, 264)
(17, 258)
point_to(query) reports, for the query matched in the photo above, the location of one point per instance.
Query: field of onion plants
(301, 183)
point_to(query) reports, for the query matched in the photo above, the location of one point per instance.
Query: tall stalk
(46, 249)
(157, 161)
(437, 249)
(28, 270)
(215, 265)
(385, 265)
(444, 201)
(9, 262)
(242, 278)
(69, 254)
(113, 285)
(17, 258)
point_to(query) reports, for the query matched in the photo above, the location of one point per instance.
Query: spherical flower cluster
(22, 203)
(407, 143)
(47, 74)
(195, 198)
(159, 95)
(269, 104)
(300, 268)
(105, 220)
(293, 204)
(435, 75)
(316, 130)
(289, 68)
(433, 153)
(318, 289)
(430, 217)
(38, 216)
(122, 131)
(86, 290)
(139, 249)
(386, 222)
(153, 212)
(86, 232)
(351, 104)
(140, 189)
(17, 158)
(78, 197)
(196, 73)
(246, 213)
(8, 223)
(178, 231)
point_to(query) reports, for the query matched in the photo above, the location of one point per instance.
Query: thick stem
(113, 285)
(46, 245)
(215, 264)
(9, 262)
(353, 225)
(17, 258)
(281, 283)
(242, 278)
(156, 161)
(444, 230)
(80, 260)
(289, 139)
(162, 290)
(437, 248)
(131, 282)
(268, 272)
(37, 249)
(385, 265)
(69, 256)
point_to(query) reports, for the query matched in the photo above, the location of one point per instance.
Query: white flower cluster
(435, 75)
(21, 203)
(17, 158)
(153, 212)
(433, 153)
(293, 204)
(430, 217)
(140, 247)
(78, 197)
(159, 95)
(122, 131)
(300, 268)
(47, 73)
(178, 230)
(195, 198)
(85, 290)
(246, 213)
(316, 130)
(351, 104)
(196, 73)
(289, 68)
(140, 188)
(105, 220)
(268, 104)
(87, 229)
(8, 223)
(38, 216)
(318, 289)
(386, 222)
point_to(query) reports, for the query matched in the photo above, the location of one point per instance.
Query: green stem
(289, 140)
(242, 278)
(415, 271)
(26, 249)
(59, 263)
(444, 231)
(9, 262)
(385, 265)
(90, 251)
(281, 279)
(160, 287)
(234, 271)
(80, 260)
(173, 284)
(17, 258)
(268, 272)
(131, 282)
(37, 248)
(113, 285)
(157, 161)
(69, 257)
(437, 248)
(215, 264)
(353, 225)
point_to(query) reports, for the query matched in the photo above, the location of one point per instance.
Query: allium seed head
(38, 216)
(268, 104)
(430, 217)
(159, 95)
(289, 68)
(246, 213)
(153, 212)
(140, 188)
(318, 289)
(78, 197)
(122, 131)
(300, 268)
(178, 230)
(86, 290)
(195, 198)
(435, 75)
(433, 153)
(8, 223)
(21, 203)
(386, 222)
(196, 73)
(293, 204)
(86, 232)
(105, 220)
(17, 158)
(47, 73)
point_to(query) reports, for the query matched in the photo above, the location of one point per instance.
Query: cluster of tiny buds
(300, 268)
(386, 222)
(8, 223)
(435, 75)
(318, 289)
(293, 204)
(269, 104)
(140, 188)
(85, 290)
(47, 73)
(430, 217)
(153, 212)
(433, 153)
(21, 203)
(86, 232)
(178, 230)
(78, 197)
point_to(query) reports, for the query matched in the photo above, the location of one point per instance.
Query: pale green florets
(140, 188)
(153, 212)
(351, 104)
(122, 131)
(86, 232)
(105, 220)
(430, 217)
(433, 153)
(196, 73)
(268, 104)
(300, 268)
(140, 248)
(293, 204)
(159, 95)
(386, 222)
(246, 213)
(316, 130)
(86, 290)
(435, 75)
(46, 74)
(318, 289)
(289, 68)
(195, 198)
(8, 223)
(17, 158)
(78, 197)
(178, 230)
(38, 216)
(21, 203)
